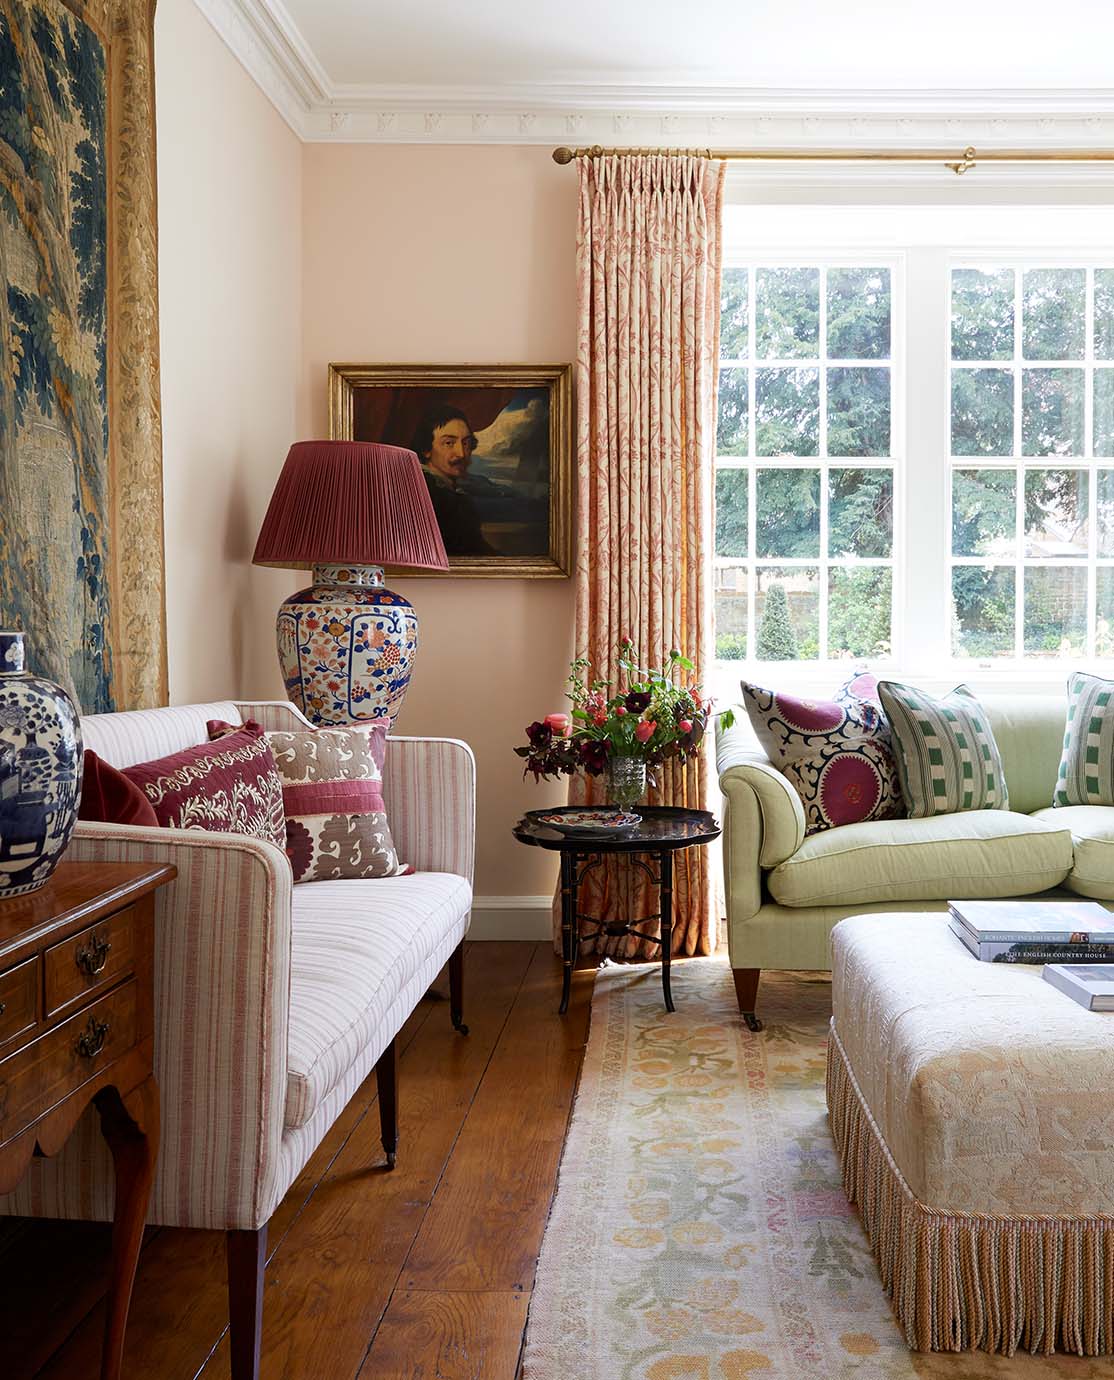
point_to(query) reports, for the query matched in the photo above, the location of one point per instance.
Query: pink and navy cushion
(835, 753)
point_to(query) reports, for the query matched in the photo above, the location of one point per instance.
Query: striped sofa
(272, 1002)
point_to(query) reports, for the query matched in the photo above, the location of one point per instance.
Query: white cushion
(355, 945)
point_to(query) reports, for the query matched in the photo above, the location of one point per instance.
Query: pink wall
(454, 255)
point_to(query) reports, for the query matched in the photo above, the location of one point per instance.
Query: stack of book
(1034, 931)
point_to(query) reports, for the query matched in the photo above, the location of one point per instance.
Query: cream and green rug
(700, 1231)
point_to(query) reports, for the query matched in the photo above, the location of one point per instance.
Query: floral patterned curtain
(648, 273)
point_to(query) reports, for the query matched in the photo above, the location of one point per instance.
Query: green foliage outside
(776, 640)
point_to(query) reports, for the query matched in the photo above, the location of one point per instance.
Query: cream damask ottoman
(972, 1107)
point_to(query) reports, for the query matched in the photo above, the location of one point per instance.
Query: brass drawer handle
(91, 1040)
(92, 957)
(3, 1007)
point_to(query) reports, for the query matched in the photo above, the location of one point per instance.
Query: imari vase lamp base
(346, 509)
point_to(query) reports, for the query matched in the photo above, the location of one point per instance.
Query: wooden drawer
(19, 990)
(99, 955)
(37, 1077)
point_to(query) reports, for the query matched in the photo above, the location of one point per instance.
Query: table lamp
(346, 509)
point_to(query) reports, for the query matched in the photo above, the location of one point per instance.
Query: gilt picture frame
(495, 442)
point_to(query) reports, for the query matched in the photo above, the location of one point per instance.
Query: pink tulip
(685, 725)
(620, 710)
(559, 723)
(645, 730)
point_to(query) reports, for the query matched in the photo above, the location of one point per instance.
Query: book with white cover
(1061, 922)
(1035, 951)
(1091, 985)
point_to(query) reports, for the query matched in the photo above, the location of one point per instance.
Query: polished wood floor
(423, 1273)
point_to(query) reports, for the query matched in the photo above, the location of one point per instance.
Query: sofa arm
(429, 787)
(222, 996)
(764, 820)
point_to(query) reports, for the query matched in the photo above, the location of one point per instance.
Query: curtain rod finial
(563, 156)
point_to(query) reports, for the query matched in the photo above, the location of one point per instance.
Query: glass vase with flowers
(622, 731)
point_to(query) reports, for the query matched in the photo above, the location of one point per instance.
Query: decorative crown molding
(264, 37)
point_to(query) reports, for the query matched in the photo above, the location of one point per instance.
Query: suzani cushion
(1086, 775)
(332, 792)
(232, 787)
(835, 753)
(946, 754)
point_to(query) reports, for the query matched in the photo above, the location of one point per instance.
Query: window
(804, 539)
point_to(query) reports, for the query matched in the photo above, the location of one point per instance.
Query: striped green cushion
(947, 758)
(1086, 775)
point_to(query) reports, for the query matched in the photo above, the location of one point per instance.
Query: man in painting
(445, 443)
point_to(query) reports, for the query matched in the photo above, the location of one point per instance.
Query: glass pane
(731, 614)
(982, 313)
(1053, 313)
(1105, 512)
(1055, 610)
(1052, 411)
(859, 313)
(982, 411)
(1055, 513)
(788, 517)
(1104, 411)
(787, 313)
(860, 512)
(734, 314)
(1104, 313)
(787, 624)
(731, 428)
(859, 603)
(984, 512)
(787, 403)
(1104, 612)
(858, 411)
(982, 611)
(732, 502)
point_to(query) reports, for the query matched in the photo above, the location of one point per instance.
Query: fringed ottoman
(972, 1107)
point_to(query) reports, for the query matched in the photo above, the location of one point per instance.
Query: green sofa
(785, 892)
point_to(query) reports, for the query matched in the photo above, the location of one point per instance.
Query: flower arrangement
(656, 716)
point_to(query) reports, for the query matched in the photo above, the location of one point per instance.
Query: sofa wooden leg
(247, 1257)
(746, 994)
(386, 1077)
(456, 988)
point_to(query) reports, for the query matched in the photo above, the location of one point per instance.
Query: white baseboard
(512, 917)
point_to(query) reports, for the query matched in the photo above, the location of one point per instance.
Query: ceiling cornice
(268, 43)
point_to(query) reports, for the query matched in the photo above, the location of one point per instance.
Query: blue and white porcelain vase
(40, 772)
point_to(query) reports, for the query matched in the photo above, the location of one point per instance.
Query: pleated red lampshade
(350, 501)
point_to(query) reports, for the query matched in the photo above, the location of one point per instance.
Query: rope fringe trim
(971, 1281)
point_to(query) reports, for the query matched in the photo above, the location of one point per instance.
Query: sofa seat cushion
(977, 853)
(356, 946)
(1092, 832)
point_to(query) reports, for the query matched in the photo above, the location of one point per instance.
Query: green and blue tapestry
(55, 520)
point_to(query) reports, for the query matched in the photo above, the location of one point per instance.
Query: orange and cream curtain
(648, 275)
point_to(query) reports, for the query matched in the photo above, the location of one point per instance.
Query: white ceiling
(849, 45)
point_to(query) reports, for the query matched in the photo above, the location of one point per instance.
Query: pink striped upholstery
(250, 1033)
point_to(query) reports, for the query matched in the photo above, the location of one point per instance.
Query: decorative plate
(590, 821)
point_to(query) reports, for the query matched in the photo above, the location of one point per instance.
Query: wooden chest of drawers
(76, 1026)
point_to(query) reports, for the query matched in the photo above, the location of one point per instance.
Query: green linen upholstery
(970, 853)
(946, 754)
(1029, 731)
(1092, 832)
(1086, 775)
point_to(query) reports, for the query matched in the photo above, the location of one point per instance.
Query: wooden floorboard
(425, 1271)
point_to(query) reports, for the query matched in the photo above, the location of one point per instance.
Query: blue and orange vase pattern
(40, 772)
(346, 646)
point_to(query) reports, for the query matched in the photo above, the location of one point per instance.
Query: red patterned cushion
(232, 787)
(108, 797)
(836, 753)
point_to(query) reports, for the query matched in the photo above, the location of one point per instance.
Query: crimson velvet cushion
(835, 753)
(108, 797)
(232, 787)
(332, 790)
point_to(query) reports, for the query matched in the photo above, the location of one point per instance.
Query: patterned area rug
(700, 1231)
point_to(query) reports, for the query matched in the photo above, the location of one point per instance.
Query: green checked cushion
(1086, 775)
(947, 759)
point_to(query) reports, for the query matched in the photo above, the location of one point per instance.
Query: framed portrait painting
(495, 442)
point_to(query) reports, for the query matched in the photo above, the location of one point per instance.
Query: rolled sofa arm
(222, 998)
(764, 820)
(429, 788)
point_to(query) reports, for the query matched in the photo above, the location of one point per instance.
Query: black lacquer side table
(664, 830)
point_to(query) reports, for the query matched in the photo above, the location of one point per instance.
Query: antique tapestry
(81, 568)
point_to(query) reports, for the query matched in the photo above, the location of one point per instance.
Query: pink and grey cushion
(835, 753)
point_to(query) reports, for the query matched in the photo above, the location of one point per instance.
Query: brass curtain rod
(962, 164)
